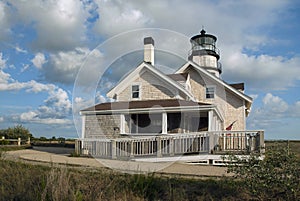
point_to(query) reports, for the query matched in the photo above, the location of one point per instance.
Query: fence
(173, 144)
(18, 141)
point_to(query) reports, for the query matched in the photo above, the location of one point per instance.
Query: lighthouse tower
(205, 53)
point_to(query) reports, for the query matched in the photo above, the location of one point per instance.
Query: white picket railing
(173, 144)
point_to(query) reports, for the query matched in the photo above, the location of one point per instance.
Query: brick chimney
(149, 50)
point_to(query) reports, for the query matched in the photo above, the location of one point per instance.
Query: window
(210, 92)
(135, 91)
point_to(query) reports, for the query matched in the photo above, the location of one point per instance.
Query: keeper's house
(191, 111)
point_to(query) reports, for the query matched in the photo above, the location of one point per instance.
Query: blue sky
(43, 45)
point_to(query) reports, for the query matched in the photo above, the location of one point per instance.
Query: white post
(210, 120)
(83, 126)
(122, 123)
(83, 118)
(164, 123)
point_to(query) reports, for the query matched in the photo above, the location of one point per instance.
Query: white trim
(135, 74)
(140, 90)
(218, 80)
(205, 92)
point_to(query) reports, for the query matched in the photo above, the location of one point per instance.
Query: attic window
(210, 92)
(135, 91)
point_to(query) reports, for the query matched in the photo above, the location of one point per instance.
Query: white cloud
(79, 103)
(60, 25)
(2, 61)
(56, 109)
(4, 78)
(272, 112)
(33, 117)
(64, 65)
(4, 22)
(1, 119)
(273, 72)
(29, 86)
(118, 16)
(25, 67)
(20, 50)
(100, 98)
(274, 104)
(59, 102)
(39, 60)
(28, 116)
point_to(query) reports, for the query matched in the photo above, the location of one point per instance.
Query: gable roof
(243, 96)
(122, 84)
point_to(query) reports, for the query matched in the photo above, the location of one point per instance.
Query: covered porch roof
(146, 105)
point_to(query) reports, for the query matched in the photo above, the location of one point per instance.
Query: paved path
(174, 168)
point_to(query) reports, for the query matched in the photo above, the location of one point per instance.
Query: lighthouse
(205, 53)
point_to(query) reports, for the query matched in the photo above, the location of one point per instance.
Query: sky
(48, 49)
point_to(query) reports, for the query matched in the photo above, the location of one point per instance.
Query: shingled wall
(99, 126)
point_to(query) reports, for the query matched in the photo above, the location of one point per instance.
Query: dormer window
(210, 92)
(135, 91)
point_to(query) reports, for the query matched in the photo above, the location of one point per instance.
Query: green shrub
(276, 176)
(4, 142)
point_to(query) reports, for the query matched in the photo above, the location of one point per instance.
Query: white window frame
(139, 91)
(214, 94)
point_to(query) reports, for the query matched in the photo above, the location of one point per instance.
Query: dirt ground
(59, 156)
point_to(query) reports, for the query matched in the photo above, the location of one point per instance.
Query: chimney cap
(148, 40)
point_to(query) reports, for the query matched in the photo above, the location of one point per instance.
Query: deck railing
(173, 144)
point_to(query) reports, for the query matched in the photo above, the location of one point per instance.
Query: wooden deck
(214, 142)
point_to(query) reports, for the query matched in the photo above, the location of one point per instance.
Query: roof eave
(151, 110)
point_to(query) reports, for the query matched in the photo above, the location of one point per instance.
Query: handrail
(181, 143)
(204, 47)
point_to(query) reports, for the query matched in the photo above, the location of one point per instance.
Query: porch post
(82, 130)
(122, 123)
(164, 123)
(215, 123)
(83, 126)
(210, 120)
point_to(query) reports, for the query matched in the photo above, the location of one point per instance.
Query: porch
(207, 142)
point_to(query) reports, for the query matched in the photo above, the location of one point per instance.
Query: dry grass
(20, 181)
(294, 145)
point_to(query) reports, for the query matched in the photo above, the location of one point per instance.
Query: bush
(16, 132)
(4, 142)
(275, 176)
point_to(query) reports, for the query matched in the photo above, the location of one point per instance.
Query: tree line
(16, 132)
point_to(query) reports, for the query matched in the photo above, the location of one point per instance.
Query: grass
(4, 148)
(23, 181)
(294, 145)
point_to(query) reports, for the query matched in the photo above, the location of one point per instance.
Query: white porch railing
(173, 144)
